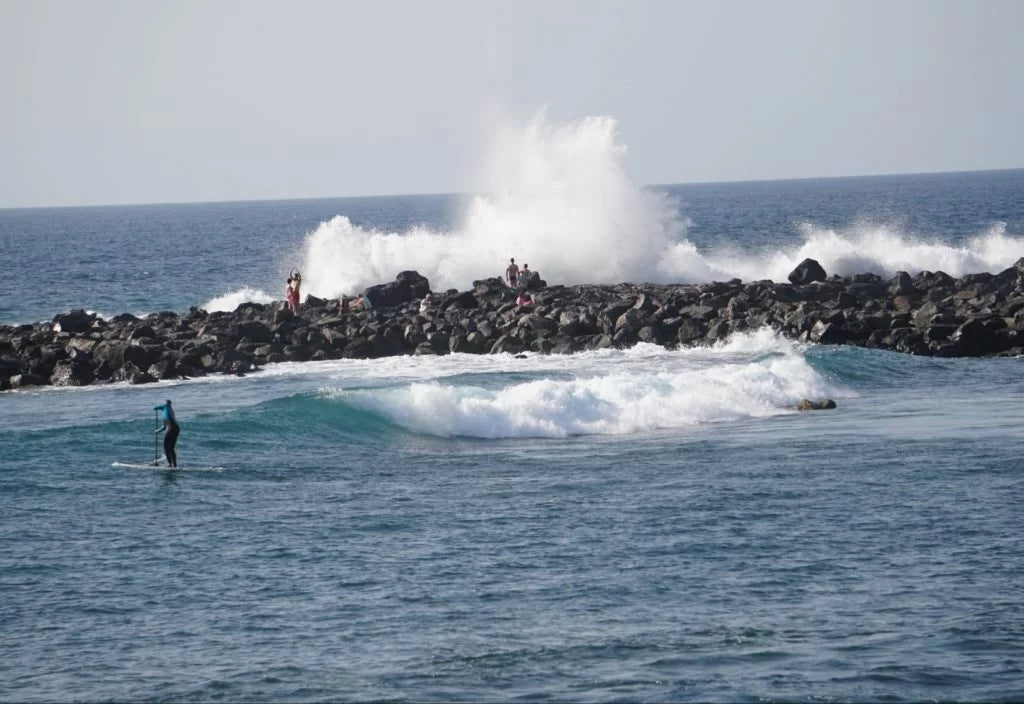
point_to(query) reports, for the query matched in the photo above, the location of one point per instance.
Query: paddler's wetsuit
(172, 428)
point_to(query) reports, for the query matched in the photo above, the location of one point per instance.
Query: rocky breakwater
(928, 314)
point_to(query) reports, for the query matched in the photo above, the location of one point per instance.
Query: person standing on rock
(292, 292)
(525, 275)
(170, 424)
(289, 293)
(512, 272)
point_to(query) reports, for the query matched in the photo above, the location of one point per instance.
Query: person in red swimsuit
(292, 291)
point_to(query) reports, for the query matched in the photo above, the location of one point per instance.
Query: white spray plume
(557, 196)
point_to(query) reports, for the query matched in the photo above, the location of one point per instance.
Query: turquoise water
(620, 525)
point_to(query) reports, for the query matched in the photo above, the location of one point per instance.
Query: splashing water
(883, 250)
(558, 197)
(230, 301)
(641, 390)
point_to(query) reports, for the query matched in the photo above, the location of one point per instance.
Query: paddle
(156, 420)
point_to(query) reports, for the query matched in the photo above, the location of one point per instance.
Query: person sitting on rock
(524, 300)
(425, 304)
(512, 272)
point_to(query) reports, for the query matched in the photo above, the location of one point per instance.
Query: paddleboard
(165, 468)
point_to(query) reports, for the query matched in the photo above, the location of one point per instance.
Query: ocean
(620, 525)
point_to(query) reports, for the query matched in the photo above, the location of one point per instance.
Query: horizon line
(468, 193)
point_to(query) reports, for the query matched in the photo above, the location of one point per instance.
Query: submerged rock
(808, 405)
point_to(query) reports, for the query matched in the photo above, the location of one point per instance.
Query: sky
(180, 101)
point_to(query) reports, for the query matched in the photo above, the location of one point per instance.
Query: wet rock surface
(977, 315)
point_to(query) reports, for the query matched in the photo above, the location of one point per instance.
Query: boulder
(417, 283)
(807, 271)
(408, 286)
(808, 405)
(75, 321)
(255, 330)
(902, 284)
(21, 381)
(828, 333)
(72, 373)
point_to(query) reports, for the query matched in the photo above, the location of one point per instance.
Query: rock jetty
(932, 313)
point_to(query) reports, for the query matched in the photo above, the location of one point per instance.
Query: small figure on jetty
(292, 291)
(425, 304)
(358, 303)
(525, 276)
(512, 272)
(170, 424)
(524, 300)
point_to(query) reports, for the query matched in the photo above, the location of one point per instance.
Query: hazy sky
(128, 102)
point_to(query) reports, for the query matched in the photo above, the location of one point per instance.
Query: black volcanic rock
(806, 272)
(928, 314)
(75, 321)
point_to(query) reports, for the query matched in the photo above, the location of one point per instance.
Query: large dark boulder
(465, 300)
(902, 284)
(807, 271)
(828, 333)
(390, 295)
(808, 405)
(74, 321)
(142, 356)
(9, 366)
(507, 344)
(255, 330)
(70, 372)
(417, 283)
(21, 381)
(166, 368)
(691, 331)
(408, 286)
(143, 331)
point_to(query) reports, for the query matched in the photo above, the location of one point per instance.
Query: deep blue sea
(635, 525)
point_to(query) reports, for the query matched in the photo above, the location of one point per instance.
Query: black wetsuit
(169, 440)
(172, 428)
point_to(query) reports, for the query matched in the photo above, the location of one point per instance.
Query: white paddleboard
(165, 468)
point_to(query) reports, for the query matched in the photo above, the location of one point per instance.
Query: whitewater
(558, 195)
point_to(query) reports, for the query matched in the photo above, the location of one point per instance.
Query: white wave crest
(883, 250)
(753, 376)
(558, 198)
(229, 301)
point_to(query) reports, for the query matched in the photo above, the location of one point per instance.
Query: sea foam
(557, 196)
(231, 301)
(613, 392)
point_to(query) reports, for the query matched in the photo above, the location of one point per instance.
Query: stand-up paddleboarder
(172, 428)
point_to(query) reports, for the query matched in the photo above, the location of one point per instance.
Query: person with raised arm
(292, 292)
